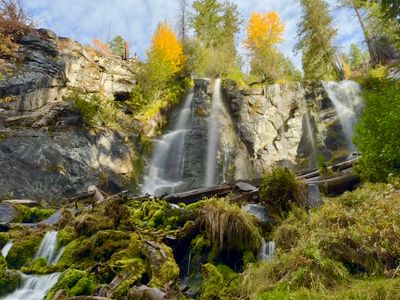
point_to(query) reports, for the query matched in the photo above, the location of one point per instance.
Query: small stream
(35, 287)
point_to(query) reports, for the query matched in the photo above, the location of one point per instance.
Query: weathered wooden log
(27, 202)
(338, 167)
(196, 195)
(81, 196)
(337, 185)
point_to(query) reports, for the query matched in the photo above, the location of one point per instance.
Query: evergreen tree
(215, 25)
(117, 45)
(316, 34)
(356, 56)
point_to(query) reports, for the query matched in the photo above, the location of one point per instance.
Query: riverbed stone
(7, 213)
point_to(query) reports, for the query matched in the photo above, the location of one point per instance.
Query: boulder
(7, 213)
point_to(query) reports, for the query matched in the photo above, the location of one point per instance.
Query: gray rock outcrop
(50, 67)
(46, 151)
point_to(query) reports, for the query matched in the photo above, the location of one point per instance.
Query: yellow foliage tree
(264, 30)
(166, 47)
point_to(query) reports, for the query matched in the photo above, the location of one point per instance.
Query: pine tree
(117, 45)
(316, 34)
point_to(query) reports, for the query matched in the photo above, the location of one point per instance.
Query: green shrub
(96, 109)
(280, 189)
(228, 227)
(356, 233)
(377, 135)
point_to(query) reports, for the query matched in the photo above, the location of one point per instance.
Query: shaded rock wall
(46, 152)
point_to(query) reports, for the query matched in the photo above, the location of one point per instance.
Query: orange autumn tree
(264, 30)
(100, 46)
(264, 33)
(166, 50)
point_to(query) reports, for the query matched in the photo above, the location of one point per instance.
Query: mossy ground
(346, 249)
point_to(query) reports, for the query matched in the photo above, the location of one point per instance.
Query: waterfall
(267, 250)
(33, 287)
(309, 133)
(165, 172)
(7, 247)
(48, 248)
(346, 98)
(213, 135)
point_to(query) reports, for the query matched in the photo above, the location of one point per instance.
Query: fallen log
(338, 167)
(337, 185)
(196, 195)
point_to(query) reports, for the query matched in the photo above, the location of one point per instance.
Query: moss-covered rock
(74, 283)
(4, 238)
(32, 214)
(9, 280)
(66, 235)
(24, 248)
(88, 224)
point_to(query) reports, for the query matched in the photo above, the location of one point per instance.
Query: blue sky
(136, 20)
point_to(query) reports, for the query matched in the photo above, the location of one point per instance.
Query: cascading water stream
(309, 133)
(7, 247)
(165, 172)
(48, 248)
(33, 287)
(213, 135)
(267, 250)
(346, 97)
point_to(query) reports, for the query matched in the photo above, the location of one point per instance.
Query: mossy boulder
(9, 280)
(32, 214)
(161, 263)
(4, 238)
(24, 248)
(88, 224)
(74, 283)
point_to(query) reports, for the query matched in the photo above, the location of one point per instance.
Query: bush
(377, 135)
(96, 110)
(228, 227)
(356, 233)
(280, 189)
(14, 22)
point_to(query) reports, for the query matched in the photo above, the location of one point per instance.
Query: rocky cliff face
(45, 150)
(286, 124)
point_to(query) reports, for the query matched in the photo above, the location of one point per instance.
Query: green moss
(66, 235)
(32, 214)
(162, 265)
(39, 266)
(9, 280)
(74, 283)
(88, 224)
(376, 289)
(213, 283)
(24, 248)
(4, 238)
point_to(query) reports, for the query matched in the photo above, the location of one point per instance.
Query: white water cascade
(33, 287)
(309, 133)
(346, 98)
(267, 250)
(213, 135)
(48, 248)
(167, 163)
(7, 247)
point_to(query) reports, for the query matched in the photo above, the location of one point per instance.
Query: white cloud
(136, 20)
